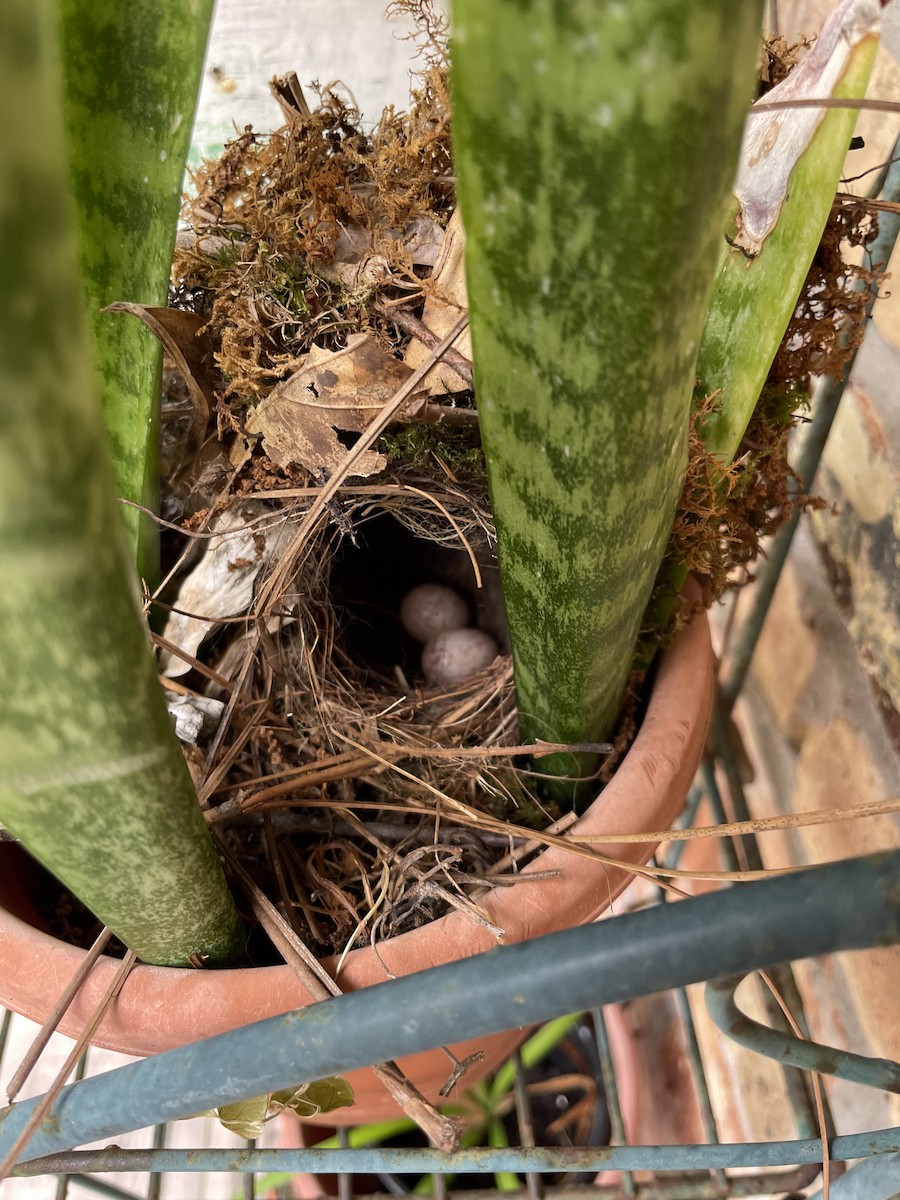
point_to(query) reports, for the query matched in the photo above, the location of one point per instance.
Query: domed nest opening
(378, 574)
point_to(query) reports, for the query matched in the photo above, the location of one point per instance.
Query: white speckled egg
(456, 654)
(430, 609)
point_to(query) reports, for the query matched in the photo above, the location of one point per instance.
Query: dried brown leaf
(180, 334)
(447, 300)
(344, 390)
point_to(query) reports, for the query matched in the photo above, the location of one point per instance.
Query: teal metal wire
(790, 1050)
(696, 1157)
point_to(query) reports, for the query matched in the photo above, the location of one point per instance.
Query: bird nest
(322, 459)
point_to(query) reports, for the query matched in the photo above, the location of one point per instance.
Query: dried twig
(48, 1028)
(409, 323)
(47, 1100)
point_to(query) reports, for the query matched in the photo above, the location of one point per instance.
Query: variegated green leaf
(323, 1096)
(246, 1118)
(131, 73)
(93, 781)
(595, 143)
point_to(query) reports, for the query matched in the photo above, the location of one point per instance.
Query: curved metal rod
(841, 906)
(792, 1051)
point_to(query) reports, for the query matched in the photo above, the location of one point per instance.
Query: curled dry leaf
(447, 301)
(344, 390)
(179, 332)
(222, 583)
(356, 261)
(193, 716)
(774, 140)
(422, 240)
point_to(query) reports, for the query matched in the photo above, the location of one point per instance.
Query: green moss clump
(458, 447)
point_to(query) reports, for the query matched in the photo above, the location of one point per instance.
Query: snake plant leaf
(93, 781)
(791, 162)
(131, 76)
(595, 144)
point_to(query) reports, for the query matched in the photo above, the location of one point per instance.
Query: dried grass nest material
(337, 735)
(291, 235)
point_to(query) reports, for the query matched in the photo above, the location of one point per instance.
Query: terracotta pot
(160, 1008)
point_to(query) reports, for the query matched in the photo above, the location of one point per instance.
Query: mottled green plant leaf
(595, 144)
(246, 1118)
(323, 1096)
(131, 74)
(93, 781)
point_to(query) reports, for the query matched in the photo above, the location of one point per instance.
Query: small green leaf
(246, 1118)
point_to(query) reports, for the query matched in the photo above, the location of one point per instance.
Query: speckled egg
(456, 654)
(430, 609)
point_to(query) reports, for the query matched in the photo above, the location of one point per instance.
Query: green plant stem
(94, 782)
(594, 145)
(506, 1181)
(131, 74)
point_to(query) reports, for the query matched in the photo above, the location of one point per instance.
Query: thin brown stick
(48, 1028)
(851, 812)
(444, 414)
(158, 640)
(532, 845)
(890, 206)
(47, 1100)
(815, 1080)
(443, 1132)
(405, 320)
(865, 105)
(347, 489)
